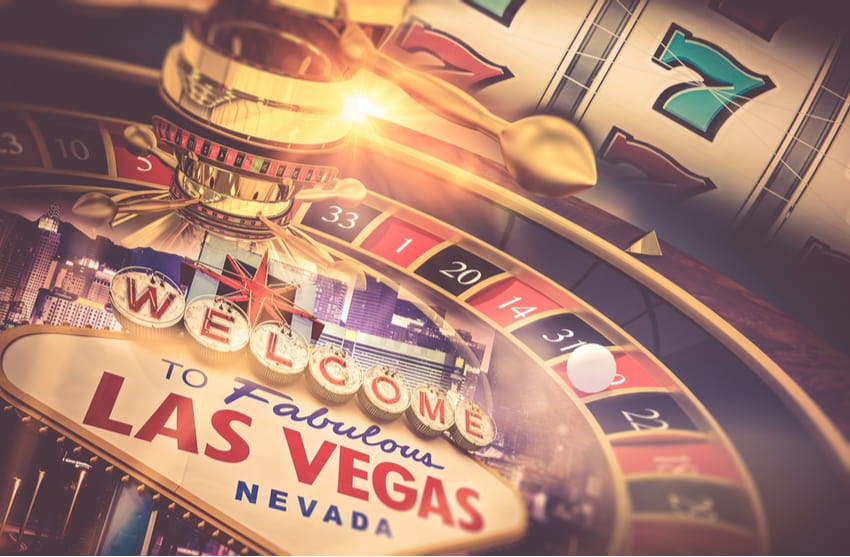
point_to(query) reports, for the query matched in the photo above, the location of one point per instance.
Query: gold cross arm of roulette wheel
(232, 59)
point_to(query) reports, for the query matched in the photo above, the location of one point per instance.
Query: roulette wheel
(204, 201)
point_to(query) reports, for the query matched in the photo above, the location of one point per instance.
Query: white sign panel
(286, 472)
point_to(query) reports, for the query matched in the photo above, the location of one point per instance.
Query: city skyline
(65, 279)
(373, 323)
(52, 273)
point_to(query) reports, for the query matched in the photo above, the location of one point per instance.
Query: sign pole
(80, 478)
(29, 509)
(15, 487)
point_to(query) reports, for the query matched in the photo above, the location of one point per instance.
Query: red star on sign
(255, 290)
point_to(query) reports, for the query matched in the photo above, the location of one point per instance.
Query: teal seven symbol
(727, 84)
(502, 11)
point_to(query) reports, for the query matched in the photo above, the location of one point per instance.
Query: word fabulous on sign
(149, 304)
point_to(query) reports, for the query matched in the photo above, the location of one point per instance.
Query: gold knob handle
(141, 141)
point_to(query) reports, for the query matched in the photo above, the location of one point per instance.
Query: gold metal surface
(255, 103)
(646, 245)
(233, 193)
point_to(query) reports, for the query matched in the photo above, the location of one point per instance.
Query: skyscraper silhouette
(41, 256)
